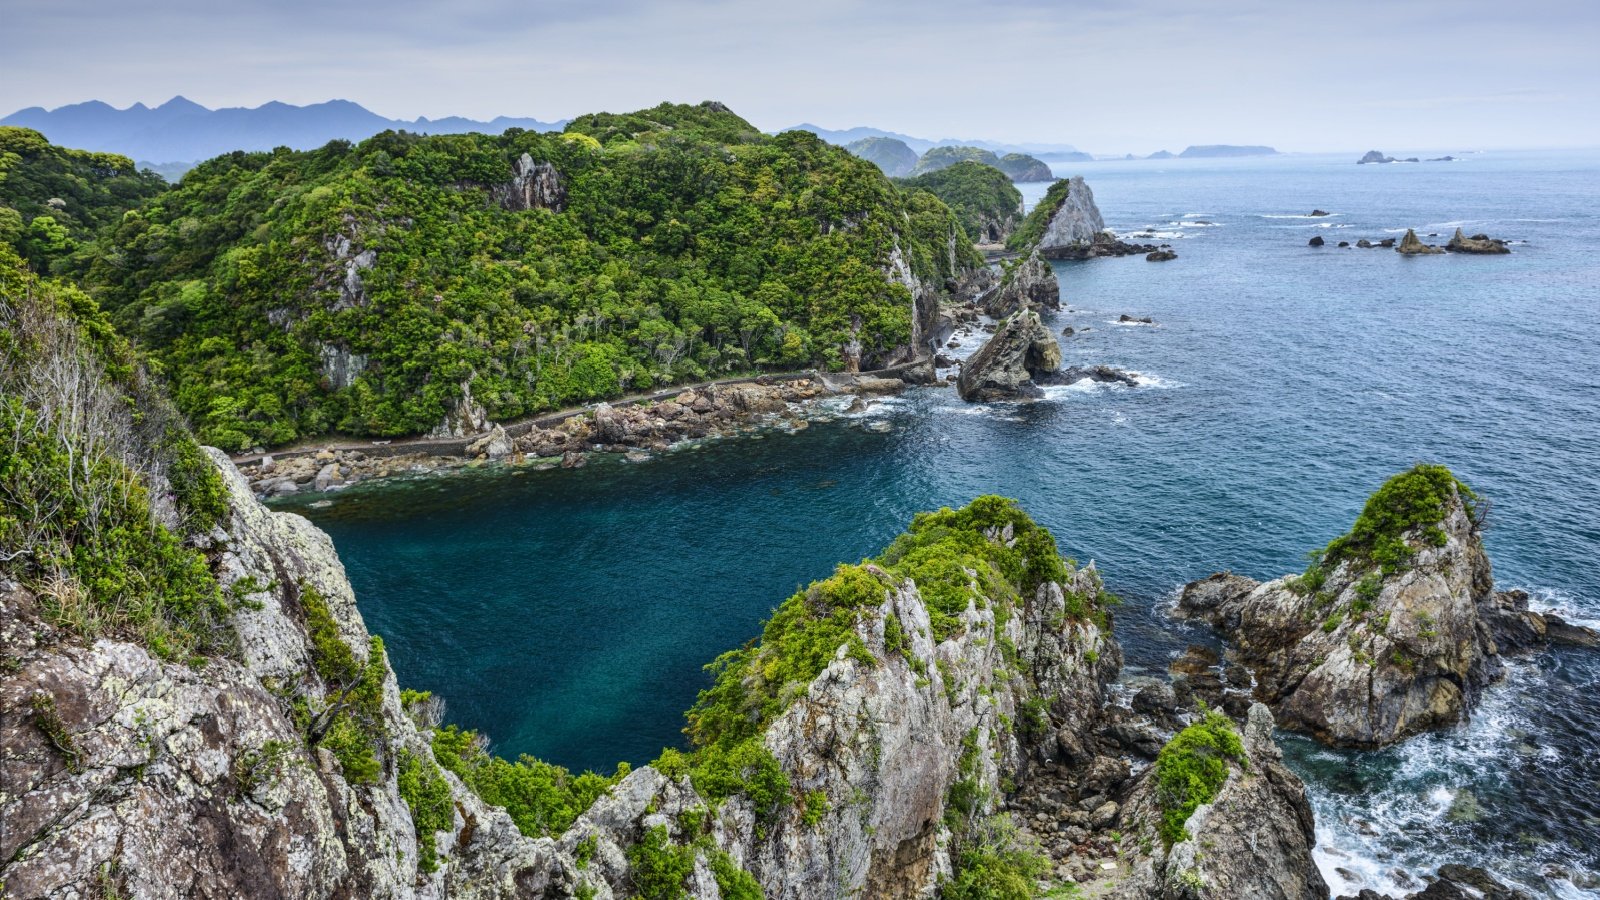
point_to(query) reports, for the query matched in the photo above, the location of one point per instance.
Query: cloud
(1110, 75)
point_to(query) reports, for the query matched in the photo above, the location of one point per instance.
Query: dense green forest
(982, 197)
(53, 200)
(358, 288)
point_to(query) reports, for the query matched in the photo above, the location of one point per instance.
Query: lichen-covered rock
(1005, 366)
(1396, 631)
(1252, 839)
(534, 185)
(128, 775)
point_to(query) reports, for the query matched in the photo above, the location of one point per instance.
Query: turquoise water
(568, 613)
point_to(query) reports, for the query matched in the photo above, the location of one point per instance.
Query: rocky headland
(1396, 628)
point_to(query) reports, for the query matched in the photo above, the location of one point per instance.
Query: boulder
(1160, 255)
(1098, 374)
(1318, 213)
(1478, 243)
(1317, 241)
(495, 445)
(1253, 838)
(1411, 245)
(1005, 367)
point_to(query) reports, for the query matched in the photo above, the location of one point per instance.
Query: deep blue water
(568, 613)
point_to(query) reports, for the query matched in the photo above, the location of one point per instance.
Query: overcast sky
(1106, 75)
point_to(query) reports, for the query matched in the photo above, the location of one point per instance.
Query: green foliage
(583, 854)
(350, 721)
(542, 798)
(816, 806)
(981, 196)
(89, 440)
(49, 723)
(427, 794)
(733, 882)
(1417, 498)
(1034, 718)
(688, 246)
(65, 196)
(658, 868)
(1038, 219)
(1191, 769)
(263, 766)
(993, 860)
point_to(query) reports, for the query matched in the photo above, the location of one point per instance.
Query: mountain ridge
(181, 130)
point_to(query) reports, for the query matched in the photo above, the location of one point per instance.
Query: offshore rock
(1029, 284)
(1254, 839)
(1478, 243)
(1076, 223)
(1411, 245)
(1455, 882)
(1004, 368)
(1097, 374)
(1365, 658)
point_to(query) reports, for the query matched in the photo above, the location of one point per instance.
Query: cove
(568, 614)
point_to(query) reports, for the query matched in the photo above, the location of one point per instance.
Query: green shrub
(427, 794)
(658, 868)
(543, 799)
(733, 882)
(994, 861)
(1416, 498)
(1191, 769)
(350, 721)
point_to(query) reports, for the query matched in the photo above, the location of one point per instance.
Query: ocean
(568, 614)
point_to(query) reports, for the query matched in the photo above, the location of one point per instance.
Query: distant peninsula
(1222, 151)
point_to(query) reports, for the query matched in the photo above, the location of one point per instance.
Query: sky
(1110, 76)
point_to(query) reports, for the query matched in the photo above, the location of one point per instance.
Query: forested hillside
(52, 199)
(983, 198)
(365, 289)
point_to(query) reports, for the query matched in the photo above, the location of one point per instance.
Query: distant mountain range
(182, 131)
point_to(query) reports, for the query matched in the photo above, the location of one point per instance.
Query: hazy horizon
(1109, 77)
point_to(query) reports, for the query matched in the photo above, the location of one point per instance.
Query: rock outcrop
(1252, 839)
(1028, 284)
(1411, 245)
(1076, 224)
(1077, 231)
(533, 185)
(1022, 167)
(1097, 374)
(129, 775)
(1374, 156)
(1004, 368)
(1395, 631)
(1455, 882)
(1478, 243)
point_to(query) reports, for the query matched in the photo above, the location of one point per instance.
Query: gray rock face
(1076, 223)
(1005, 366)
(158, 779)
(466, 416)
(1030, 284)
(1253, 839)
(534, 185)
(1365, 660)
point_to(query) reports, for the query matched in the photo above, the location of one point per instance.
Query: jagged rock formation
(1252, 839)
(1029, 284)
(1067, 225)
(1395, 631)
(1076, 223)
(534, 185)
(1455, 882)
(1005, 366)
(146, 778)
(1411, 245)
(1478, 243)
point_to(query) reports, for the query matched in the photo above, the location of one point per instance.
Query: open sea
(568, 614)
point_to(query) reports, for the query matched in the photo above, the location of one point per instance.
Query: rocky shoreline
(710, 411)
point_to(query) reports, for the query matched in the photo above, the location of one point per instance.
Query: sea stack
(1004, 368)
(1411, 245)
(1396, 628)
